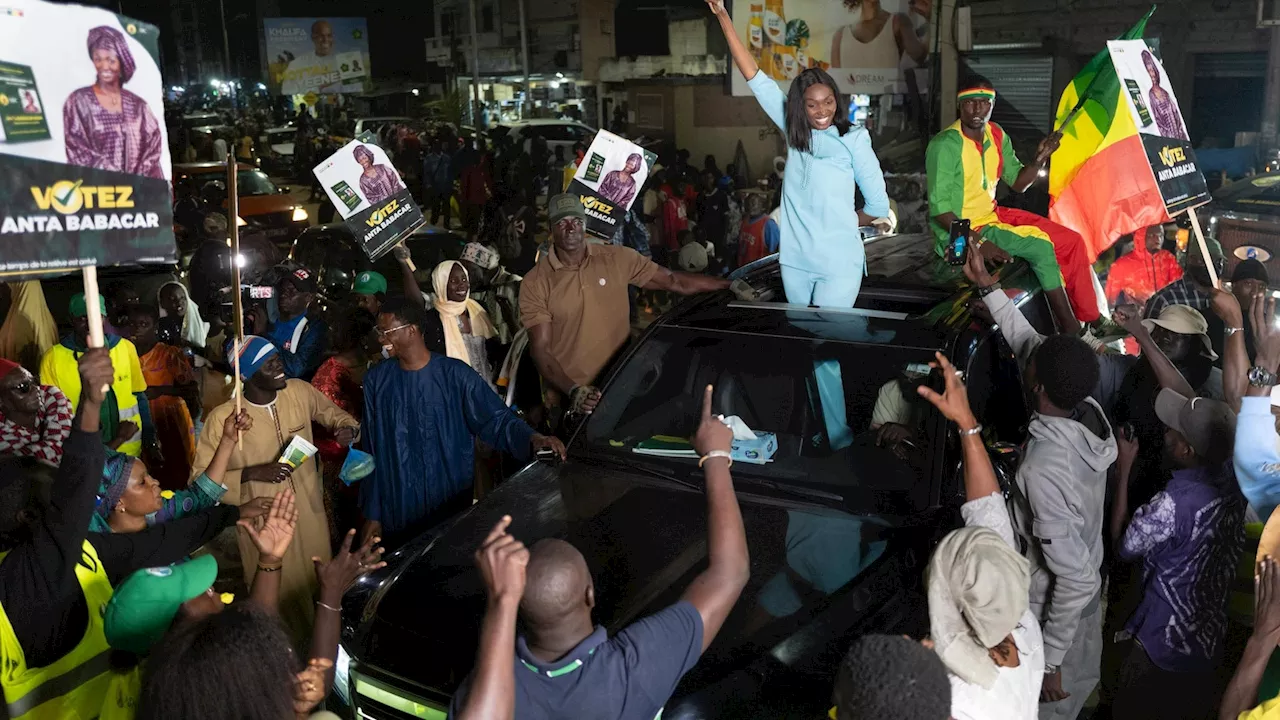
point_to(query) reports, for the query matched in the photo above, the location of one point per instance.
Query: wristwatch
(1051, 669)
(985, 291)
(1262, 377)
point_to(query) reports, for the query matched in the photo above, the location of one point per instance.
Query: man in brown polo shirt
(574, 302)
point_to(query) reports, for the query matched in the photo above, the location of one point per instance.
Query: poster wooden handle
(93, 313)
(1204, 248)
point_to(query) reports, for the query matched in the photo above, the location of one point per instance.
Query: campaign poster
(608, 181)
(317, 55)
(84, 158)
(370, 195)
(870, 47)
(1150, 100)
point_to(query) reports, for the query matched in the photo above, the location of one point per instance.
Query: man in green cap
(370, 290)
(126, 417)
(575, 303)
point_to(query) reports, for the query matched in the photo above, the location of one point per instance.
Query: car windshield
(825, 404)
(254, 182)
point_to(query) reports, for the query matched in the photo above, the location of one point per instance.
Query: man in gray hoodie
(1058, 496)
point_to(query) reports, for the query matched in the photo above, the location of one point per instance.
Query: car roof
(1259, 195)
(909, 298)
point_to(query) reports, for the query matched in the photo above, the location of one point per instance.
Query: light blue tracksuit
(822, 258)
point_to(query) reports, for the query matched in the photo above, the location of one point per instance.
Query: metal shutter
(1231, 65)
(1024, 91)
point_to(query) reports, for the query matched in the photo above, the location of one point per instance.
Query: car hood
(644, 539)
(252, 205)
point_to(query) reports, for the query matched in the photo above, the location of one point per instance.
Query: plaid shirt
(1181, 292)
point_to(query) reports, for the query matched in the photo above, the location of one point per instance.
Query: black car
(1245, 220)
(839, 529)
(333, 253)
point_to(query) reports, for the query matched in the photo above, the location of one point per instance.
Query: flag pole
(1204, 247)
(93, 312)
(237, 308)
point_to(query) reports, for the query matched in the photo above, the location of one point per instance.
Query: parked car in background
(263, 205)
(1245, 220)
(839, 528)
(563, 133)
(275, 149)
(202, 119)
(374, 124)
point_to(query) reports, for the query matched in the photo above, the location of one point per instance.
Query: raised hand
(975, 268)
(96, 375)
(953, 402)
(235, 424)
(346, 567)
(502, 560)
(712, 434)
(309, 685)
(273, 532)
(717, 7)
(1266, 335)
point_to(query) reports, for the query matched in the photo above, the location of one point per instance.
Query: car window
(254, 182)
(820, 400)
(994, 382)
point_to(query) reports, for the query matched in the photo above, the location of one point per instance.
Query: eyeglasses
(388, 331)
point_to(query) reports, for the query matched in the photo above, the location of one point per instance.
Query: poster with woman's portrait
(1155, 112)
(609, 179)
(869, 47)
(370, 195)
(84, 159)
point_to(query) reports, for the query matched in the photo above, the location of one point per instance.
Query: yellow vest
(60, 367)
(73, 687)
(122, 694)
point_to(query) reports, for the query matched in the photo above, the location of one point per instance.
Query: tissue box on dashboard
(758, 451)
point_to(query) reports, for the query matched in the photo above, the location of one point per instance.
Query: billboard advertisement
(84, 157)
(608, 180)
(317, 55)
(870, 47)
(1150, 101)
(370, 195)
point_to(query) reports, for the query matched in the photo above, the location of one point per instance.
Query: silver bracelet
(971, 431)
(328, 607)
(1233, 330)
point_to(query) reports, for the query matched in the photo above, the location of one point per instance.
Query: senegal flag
(1100, 182)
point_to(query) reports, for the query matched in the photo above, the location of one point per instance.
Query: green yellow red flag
(1100, 181)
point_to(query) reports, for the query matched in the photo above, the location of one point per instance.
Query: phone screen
(958, 245)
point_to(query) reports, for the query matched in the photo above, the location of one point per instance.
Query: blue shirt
(1257, 455)
(819, 225)
(627, 677)
(420, 426)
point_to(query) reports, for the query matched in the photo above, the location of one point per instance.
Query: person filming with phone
(965, 162)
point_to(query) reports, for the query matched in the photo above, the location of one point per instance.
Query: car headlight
(341, 675)
(299, 214)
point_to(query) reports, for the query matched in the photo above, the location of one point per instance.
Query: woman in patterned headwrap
(377, 182)
(106, 126)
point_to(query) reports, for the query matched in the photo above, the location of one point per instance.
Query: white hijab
(194, 329)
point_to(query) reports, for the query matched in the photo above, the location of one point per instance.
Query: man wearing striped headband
(966, 162)
(280, 409)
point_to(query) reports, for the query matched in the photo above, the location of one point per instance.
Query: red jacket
(1140, 274)
(675, 217)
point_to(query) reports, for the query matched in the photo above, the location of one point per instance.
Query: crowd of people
(1109, 568)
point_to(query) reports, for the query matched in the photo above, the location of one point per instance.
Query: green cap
(563, 206)
(79, 309)
(370, 283)
(144, 605)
